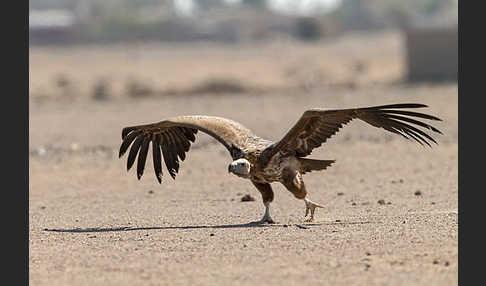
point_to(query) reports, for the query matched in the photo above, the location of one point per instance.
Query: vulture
(263, 161)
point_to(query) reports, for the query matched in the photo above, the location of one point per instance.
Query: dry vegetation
(390, 215)
(166, 69)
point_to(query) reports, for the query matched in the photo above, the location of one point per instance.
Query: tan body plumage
(260, 160)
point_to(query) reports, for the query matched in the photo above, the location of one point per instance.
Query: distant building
(51, 26)
(432, 46)
(432, 53)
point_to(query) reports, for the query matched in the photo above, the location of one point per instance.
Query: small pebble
(381, 202)
(211, 234)
(41, 151)
(74, 146)
(150, 192)
(418, 193)
(247, 198)
(340, 193)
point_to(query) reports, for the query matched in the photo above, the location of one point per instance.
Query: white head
(240, 167)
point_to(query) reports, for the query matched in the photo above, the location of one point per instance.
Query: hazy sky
(303, 6)
(187, 7)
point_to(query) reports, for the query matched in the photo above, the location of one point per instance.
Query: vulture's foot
(266, 217)
(264, 220)
(310, 206)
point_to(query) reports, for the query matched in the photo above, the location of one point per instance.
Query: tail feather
(308, 165)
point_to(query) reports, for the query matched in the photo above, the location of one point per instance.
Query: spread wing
(317, 125)
(172, 138)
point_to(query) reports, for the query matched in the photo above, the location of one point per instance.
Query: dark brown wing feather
(174, 137)
(133, 152)
(317, 125)
(127, 141)
(170, 158)
(157, 157)
(142, 156)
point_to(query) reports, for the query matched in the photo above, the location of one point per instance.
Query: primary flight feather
(263, 161)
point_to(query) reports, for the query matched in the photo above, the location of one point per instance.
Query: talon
(310, 205)
(311, 219)
(264, 220)
(270, 220)
(267, 219)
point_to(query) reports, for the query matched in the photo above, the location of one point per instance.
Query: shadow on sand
(227, 226)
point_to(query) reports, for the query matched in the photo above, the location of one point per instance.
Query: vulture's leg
(293, 181)
(267, 196)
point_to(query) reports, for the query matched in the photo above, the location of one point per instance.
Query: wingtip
(415, 105)
(401, 105)
(125, 131)
(437, 131)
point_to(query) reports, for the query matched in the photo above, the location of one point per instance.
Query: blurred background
(104, 48)
(103, 64)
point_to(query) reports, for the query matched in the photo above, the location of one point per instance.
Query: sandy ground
(92, 223)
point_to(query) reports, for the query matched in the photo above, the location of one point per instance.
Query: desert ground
(391, 205)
